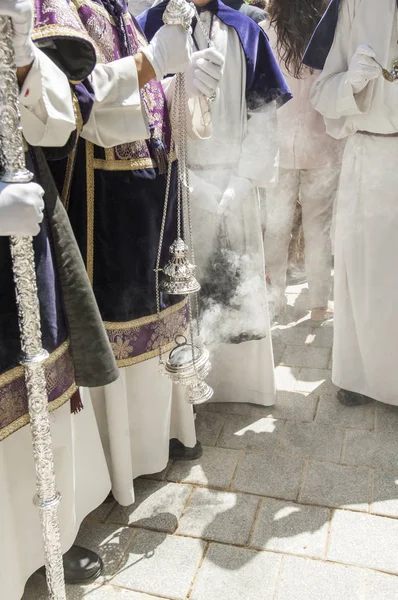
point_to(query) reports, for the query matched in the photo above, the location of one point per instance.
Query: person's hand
(169, 51)
(21, 208)
(363, 68)
(21, 14)
(236, 192)
(204, 73)
(204, 195)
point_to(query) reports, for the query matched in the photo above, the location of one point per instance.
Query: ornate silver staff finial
(12, 160)
(179, 12)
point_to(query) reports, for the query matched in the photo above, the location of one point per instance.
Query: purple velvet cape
(264, 80)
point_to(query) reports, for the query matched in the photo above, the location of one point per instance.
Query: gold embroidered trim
(24, 420)
(110, 325)
(90, 185)
(10, 376)
(95, 8)
(110, 164)
(72, 155)
(128, 362)
(44, 31)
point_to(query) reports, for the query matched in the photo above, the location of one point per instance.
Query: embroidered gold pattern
(13, 374)
(100, 30)
(149, 333)
(136, 323)
(24, 420)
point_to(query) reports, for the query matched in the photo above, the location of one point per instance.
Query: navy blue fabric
(84, 93)
(322, 39)
(128, 213)
(264, 80)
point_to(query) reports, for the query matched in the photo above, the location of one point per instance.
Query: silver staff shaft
(12, 160)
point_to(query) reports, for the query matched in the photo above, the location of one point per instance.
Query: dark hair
(294, 22)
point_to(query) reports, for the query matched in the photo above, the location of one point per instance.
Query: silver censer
(187, 364)
(12, 160)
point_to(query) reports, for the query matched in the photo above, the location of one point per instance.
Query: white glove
(21, 208)
(169, 51)
(21, 13)
(204, 195)
(363, 68)
(204, 74)
(237, 190)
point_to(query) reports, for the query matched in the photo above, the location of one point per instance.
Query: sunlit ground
(293, 502)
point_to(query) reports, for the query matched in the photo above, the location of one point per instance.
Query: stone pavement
(293, 502)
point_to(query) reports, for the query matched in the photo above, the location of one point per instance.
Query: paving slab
(312, 440)
(330, 410)
(36, 589)
(372, 449)
(336, 486)
(215, 468)
(161, 476)
(385, 493)
(235, 574)
(102, 512)
(294, 406)
(315, 381)
(236, 408)
(109, 541)
(161, 565)
(269, 475)
(364, 540)
(386, 417)
(381, 586)
(219, 516)
(291, 528)
(278, 350)
(303, 579)
(306, 356)
(158, 505)
(286, 377)
(250, 433)
(208, 427)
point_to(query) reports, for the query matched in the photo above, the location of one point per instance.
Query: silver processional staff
(12, 160)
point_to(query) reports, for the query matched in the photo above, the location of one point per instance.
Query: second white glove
(21, 14)
(236, 192)
(21, 208)
(169, 51)
(204, 74)
(363, 68)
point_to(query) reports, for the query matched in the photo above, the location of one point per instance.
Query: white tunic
(366, 243)
(80, 466)
(226, 167)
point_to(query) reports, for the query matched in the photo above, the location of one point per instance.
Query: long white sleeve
(332, 94)
(117, 116)
(259, 159)
(47, 114)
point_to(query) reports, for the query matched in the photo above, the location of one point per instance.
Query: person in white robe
(359, 104)
(81, 471)
(232, 151)
(309, 162)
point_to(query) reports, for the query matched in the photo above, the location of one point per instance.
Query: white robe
(366, 241)
(80, 466)
(139, 413)
(238, 155)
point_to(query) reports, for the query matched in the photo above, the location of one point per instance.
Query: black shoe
(81, 565)
(353, 398)
(180, 452)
